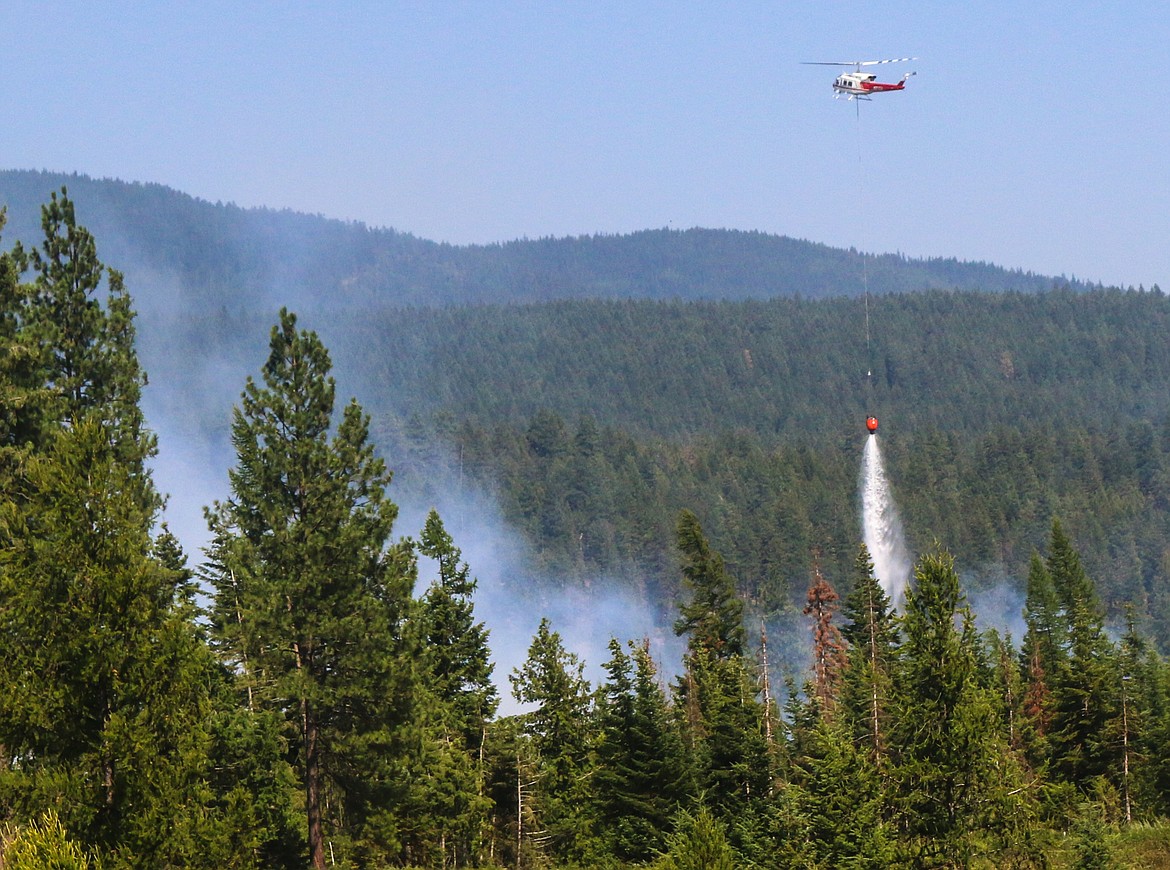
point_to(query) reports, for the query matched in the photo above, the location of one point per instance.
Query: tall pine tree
(105, 702)
(871, 632)
(457, 699)
(1086, 693)
(310, 595)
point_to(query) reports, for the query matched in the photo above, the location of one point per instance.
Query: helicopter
(858, 85)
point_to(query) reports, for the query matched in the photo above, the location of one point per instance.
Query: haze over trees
(320, 705)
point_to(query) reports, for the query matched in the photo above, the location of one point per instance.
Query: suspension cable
(861, 253)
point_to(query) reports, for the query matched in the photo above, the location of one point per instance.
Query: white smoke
(881, 526)
(512, 598)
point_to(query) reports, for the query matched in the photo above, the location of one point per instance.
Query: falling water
(881, 527)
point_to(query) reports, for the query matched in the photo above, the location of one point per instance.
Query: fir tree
(641, 778)
(713, 616)
(838, 794)
(455, 646)
(1043, 659)
(457, 700)
(718, 692)
(562, 738)
(952, 782)
(871, 632)
(1086, 692)
(699, 842)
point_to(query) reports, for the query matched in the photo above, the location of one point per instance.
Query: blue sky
(1034, 135)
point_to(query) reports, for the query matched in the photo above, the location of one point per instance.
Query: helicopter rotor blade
(856, 64)
(893, 60)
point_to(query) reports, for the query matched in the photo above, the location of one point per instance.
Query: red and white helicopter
(858, 85)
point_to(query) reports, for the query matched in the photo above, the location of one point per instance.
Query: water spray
(881, 525)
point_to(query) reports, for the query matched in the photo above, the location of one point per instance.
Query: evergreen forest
(315, 687)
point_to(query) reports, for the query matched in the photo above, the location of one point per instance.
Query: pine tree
(455, 645)
(839, 795)
(106, 700)
(88, 361)
(309, 595)
(1043, 660)
(699, 842)
(1151, 762)
(717, 692)
(713, 617)
(23, 392)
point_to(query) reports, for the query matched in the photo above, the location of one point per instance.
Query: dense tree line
(325, 707)
(785, 369)
(599, 501)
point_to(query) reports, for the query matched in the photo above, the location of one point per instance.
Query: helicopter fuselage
(864, 84)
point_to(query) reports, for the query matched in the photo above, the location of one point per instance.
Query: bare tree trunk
(313, 788)
(309, 734)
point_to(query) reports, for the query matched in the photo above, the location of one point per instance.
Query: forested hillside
(785, 369)
(597, 421)
(328, 700)
(999, 410)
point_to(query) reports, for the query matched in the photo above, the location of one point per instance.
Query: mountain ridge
(183, 252)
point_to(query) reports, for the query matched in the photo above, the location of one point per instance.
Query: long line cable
(864, 265)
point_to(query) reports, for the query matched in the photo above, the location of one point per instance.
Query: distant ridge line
(223, 254)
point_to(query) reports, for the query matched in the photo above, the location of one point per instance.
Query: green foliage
(104, 713)
(455, 646)
(712, 617)
(447, 808)
(560, 729)
(699, 842)
(717, 693)
(323, 704)
(88, 359)
(1086, 693)
(309, 599)
(1090, 841)
(764, 509)
(641, 777)
(840, 796)
(949, 762)
(872, 656)
(42, 845)
(1142, 845)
